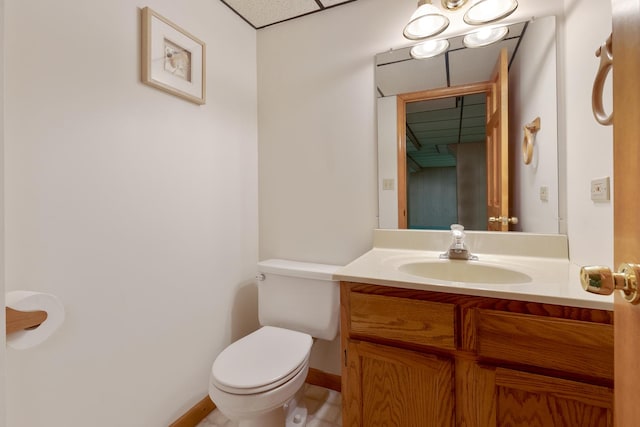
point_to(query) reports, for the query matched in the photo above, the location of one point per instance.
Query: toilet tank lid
(307, 270)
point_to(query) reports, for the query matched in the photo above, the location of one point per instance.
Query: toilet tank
(300, 296)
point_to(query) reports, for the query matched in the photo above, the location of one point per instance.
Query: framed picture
(172, 59)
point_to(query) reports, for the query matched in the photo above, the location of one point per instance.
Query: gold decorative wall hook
(530, 130)
(605, 53)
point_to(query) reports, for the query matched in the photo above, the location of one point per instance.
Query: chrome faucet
(458, 248)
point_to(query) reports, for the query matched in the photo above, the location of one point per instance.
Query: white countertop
(553, 279)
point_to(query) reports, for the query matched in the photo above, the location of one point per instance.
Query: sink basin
(464, 271)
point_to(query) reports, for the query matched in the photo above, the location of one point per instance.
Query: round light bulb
(429, 49)
(485, 11)
(426, 21)
(485, 36)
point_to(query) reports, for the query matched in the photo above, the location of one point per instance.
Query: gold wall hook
(530, 130)
(605, 53)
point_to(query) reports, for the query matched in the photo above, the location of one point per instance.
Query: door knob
(504, 220)
(601, 280)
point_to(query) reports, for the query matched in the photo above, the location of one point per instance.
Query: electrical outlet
(600, 189)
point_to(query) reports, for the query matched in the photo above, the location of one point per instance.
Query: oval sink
(464, 271)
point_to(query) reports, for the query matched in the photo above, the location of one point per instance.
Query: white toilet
(257, 380)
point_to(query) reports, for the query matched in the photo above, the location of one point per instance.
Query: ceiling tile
(264, 12)
(329, 3)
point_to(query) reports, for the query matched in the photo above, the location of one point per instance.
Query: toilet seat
(261, 361)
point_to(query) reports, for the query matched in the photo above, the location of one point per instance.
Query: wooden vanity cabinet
(418, 358)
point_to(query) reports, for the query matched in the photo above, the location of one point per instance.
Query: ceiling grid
(264, 13)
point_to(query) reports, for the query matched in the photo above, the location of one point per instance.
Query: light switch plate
(388, 184)
(600, 189)
(544, 193)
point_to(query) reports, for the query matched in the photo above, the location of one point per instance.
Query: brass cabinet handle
(504, 220)
(605, 53)
(601, 280)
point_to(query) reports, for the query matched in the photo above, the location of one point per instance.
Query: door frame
(402, 101)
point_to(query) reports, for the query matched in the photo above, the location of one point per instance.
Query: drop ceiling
(263, 13)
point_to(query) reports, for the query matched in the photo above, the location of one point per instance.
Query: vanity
(510, 339)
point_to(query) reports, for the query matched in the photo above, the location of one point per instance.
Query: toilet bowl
(259, 374)
(258, 380)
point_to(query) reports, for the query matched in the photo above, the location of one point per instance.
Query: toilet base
(296, 410)
(292, 414)
(275, 418)
(297, 417)
(286, 416)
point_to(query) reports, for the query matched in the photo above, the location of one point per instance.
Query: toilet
(258, 380)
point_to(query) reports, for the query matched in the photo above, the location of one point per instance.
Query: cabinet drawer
(416, 322)
(584, 348)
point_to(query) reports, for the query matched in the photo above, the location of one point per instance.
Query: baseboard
(197, 413)
(324, 379)
(200, 410)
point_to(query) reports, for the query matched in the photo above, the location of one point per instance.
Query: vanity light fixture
(429, 49)
(484, 36)
(453, 4)
(486, 11)
(426, 21)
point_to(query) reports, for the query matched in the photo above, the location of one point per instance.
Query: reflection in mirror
(435, 190)
(446, 161)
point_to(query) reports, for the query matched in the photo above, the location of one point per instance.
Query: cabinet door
(524, 399)
(391, 387)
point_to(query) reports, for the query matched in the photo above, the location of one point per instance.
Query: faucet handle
(457, 230)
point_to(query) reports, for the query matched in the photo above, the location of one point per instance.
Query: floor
(324, 408)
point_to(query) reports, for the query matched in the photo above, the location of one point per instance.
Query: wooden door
(498, 145)
(390, 387)
(626, 159)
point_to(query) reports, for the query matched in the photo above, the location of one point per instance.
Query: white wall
(387, 119)
(317, 150)
(532, 93)
(589, 153)
(137, 208)
(317, 143)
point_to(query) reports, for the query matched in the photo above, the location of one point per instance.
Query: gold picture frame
(172, 59)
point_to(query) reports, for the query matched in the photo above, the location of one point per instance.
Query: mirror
(531, 48)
